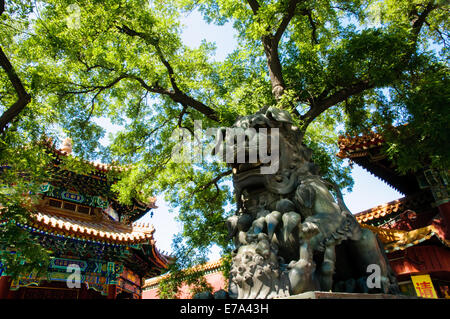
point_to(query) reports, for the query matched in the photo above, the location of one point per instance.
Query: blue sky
(368, 190)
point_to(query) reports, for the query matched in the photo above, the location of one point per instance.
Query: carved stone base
(345, 295)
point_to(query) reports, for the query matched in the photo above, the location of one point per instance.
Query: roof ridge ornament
(67, 145)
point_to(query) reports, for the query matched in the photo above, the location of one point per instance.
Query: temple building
(414, 229)
(90, 234)
(212, 272)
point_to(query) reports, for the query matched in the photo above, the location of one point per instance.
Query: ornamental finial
(67, 145)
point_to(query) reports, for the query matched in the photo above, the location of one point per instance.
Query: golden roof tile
(357, 146)
(66, 150)
(212, 265)
(99, 230)
(381, 210)
(394, 239)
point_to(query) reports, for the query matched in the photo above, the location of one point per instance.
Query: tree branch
(325, 100)
(313, 26)
(214, 181)
(441, 34)
(23, 97)
(176, 95)
(181, 115)
(254, 5)
(91, 67)
(270, 45)
(286, 19)
(179, 97)
(100, 88)
(418, 19)
(154, 41)
(318, 106)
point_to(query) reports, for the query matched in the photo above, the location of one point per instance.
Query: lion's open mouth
(245, 167)
(245, 170)
(247, 176)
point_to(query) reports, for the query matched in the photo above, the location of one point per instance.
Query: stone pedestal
(344, 295)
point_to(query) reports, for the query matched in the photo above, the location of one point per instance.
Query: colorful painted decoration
(87, 249)
(111, 212)
(96, 274)
(62, 263)
(73, 196)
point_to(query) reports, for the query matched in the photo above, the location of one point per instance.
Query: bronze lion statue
(291, 234)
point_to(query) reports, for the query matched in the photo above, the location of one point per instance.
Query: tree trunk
(275, 69)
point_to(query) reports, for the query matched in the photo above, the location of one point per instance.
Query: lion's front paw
(309, 230)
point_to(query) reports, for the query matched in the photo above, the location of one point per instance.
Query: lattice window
(54, 203)
(67, 206)
(84, 209)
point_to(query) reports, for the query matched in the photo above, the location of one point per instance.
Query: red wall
(216, 280)
(422, 260)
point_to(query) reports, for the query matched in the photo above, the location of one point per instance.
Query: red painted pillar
(5, 284)
(111, 291)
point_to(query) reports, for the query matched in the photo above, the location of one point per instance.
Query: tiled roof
(399, 205)
(98, 166)
(101, 168)
(367, 151)
(212, 265)
(208, 266)
(92, 228)
(161, 258)
(357, 146)
(381, 210)
(48, 143)
(394, 239)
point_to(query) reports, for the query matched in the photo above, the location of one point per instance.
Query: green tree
(24, 162)
(348, 65)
